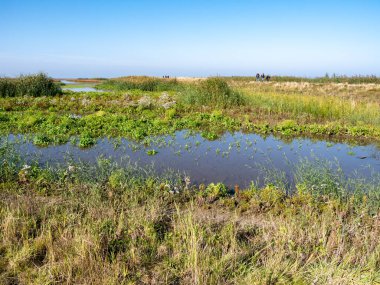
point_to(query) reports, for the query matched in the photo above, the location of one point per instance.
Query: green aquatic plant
(151, 152)
(86, 140)
(109, 114)
(209, 135)
(42, 140)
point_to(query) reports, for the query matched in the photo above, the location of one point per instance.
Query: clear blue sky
(106, 38)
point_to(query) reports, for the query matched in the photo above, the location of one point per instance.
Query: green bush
(32, 85)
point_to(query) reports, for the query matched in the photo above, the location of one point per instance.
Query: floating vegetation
(152, 152)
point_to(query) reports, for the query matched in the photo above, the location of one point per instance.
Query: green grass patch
(213, 92)
(142, 83)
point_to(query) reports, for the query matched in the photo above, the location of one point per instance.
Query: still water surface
(233, 159)
(89, 88)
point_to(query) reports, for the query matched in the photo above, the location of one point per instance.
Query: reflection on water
(89, 88)
(233, 159)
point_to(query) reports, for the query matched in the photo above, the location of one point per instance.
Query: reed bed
(143, 83)
(214, 92)
(320, 108)
(37, 85)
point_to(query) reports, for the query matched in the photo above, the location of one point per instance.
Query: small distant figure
(257, 76)
(262, 77)
(267, 78)
(165, 76)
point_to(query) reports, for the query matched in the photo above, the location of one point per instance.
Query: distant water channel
(89, 88)
(233, 159)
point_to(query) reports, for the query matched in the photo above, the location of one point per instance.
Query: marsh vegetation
(104, 222)
(37, 85)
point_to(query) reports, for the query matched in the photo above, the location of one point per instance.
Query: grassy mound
(212, 92)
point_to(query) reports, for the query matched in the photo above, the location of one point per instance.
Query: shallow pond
(233, 159)
(84, 87)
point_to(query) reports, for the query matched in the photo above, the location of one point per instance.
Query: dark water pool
(233, 159)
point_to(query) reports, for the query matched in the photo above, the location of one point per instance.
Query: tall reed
(36, 85)
(143, 83)
(213, 92)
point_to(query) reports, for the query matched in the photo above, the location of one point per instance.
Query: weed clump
(86, 140)
(213, 192)
(36, 85)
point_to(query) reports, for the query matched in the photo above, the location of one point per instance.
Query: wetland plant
(86, 140)
(213, 92)
(36, 85)
(143, 83)
(151, 152)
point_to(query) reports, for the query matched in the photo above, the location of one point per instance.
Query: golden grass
(136, 236)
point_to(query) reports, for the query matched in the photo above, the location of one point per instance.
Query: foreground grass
(101, 224)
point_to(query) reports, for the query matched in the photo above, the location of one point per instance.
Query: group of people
(262, 77)
(165, 76)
